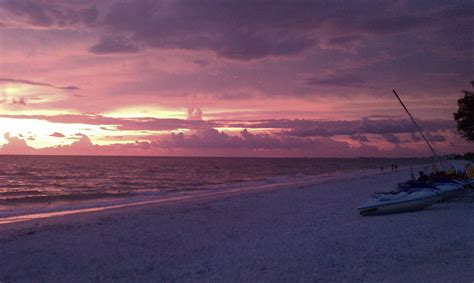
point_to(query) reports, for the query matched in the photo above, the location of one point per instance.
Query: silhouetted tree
(465, 114)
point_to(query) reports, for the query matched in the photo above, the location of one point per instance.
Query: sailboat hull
(377, 207)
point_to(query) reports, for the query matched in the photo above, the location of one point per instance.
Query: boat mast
(419, 130)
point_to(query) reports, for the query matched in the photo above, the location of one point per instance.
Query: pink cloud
(215, 140)
(211, 142)
(15, 145)
(194, 114)
(57, 135)
(145, 123)
(295, 127)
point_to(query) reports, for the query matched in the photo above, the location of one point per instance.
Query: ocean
(45, 183)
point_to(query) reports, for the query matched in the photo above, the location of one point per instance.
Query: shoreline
(204, 195)
(275, 182)
(309, 233)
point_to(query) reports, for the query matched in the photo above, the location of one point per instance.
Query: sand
(295, 233)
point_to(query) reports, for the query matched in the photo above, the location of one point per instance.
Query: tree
(465, 114)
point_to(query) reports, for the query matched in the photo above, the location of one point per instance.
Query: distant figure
(381, 169)
(392, 166)
(411, 173)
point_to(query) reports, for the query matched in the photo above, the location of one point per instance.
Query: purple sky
(232, 78)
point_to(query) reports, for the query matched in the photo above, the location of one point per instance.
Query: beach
(297, 232)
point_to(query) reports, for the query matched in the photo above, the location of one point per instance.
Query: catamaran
(421, 193)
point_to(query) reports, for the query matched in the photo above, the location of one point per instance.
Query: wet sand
(304, 233)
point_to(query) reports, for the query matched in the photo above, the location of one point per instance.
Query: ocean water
(35, 183)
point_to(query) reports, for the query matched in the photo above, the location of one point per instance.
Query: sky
(232, 78)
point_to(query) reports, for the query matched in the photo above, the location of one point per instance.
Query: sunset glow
(237, 79)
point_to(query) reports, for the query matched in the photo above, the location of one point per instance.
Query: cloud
(211, 142)
(50, 13)
(344, 40)
(20, 101)
(308, 128)
(414, 137)
(391, 17)
(203, 139)
(150, 124)
(385, 117)
(212, 139)
(194, 114)
(57, 135)
(344, 43)
(27, 82)
(252, 30)
(360, 138)
(240, 30)
(108, 129)
(201, 62)
(337, 80)
(294, 128)
(15, 145)
(113, 45)
(435, 137)
(82, 146)
(83, 143)
(432, 137)
(236, 30)
(391, 138)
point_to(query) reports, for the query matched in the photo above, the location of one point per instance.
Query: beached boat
(412, 195)
(447, 187)
(423, 192)
(402, 201)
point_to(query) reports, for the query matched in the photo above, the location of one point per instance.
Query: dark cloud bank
(28, 82)
(241, 30)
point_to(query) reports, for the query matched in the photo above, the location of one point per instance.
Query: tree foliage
(465, 114)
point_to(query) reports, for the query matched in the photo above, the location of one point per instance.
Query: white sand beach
(295, 233)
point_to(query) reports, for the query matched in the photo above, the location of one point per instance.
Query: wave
(34, 199)
(287, 182)
(19, 193)
(116, 181)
